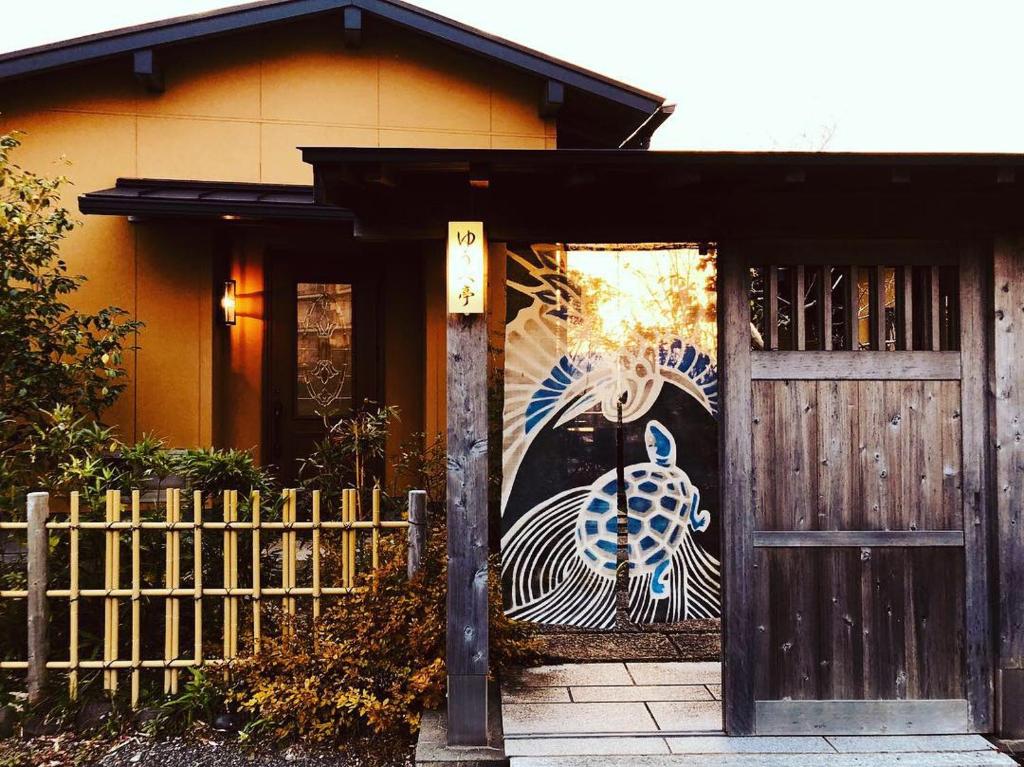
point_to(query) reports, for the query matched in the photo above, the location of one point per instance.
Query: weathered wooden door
(855, 554)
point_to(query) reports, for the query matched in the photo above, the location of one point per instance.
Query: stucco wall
(235, 109)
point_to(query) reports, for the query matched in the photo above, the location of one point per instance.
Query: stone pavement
(668, 714)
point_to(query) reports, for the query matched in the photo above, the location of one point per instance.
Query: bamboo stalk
(316, 554)
(115, 626)
(344, 538)
(236, 525)
(375, 535)
(168, 578)
(353, 507)
(197, 559)
(107, 562)
(176, 583)
(234, 575)
(285, 514)
(256, 617)
(161, 592)
(136, 601)
(108, 583)
(226, 577)
(73, 605)
(291, 551)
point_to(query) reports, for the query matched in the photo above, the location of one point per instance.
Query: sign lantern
(467, 258)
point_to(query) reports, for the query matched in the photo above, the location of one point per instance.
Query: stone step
(916, 759)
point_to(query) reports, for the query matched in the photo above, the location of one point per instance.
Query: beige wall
(235, 109)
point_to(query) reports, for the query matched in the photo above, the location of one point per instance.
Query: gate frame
(737, 496)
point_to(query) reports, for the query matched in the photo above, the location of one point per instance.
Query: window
(323, 349)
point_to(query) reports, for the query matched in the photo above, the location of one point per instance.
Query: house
(272, 189)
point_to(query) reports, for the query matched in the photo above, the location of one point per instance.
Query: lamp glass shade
(227, 302)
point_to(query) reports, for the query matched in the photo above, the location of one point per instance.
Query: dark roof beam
(352, 22)
(381, 174)
(552, 99)
(147, 70)
(479, 176)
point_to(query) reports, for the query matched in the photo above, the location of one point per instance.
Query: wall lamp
(227, 302)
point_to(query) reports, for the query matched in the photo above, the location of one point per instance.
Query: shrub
(51, 354)
(373, 662)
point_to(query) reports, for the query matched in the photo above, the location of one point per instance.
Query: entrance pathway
(669, 715)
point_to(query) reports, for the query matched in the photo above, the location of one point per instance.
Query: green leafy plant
(350, 452)
(52, 355)
(199, 702)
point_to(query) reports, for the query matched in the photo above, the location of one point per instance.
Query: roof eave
(186, 28)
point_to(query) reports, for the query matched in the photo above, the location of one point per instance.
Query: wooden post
(1008, 427)
(417, 530)
(467, 650)
(736, 462)
(38, 510)
(974, 388)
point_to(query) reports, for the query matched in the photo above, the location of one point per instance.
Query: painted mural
(591, 332)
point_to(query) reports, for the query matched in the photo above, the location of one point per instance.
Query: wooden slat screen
(854, 307)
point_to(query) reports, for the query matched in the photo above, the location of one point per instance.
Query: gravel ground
(205, 750)
(697, 640)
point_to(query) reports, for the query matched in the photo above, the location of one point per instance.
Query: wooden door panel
(857, 455)
(860, 623)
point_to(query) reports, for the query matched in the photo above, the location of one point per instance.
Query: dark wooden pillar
(1008, 384)
(735, 462)
(974, 429)
(467, 530)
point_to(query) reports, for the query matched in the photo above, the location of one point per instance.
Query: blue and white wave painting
(560, 485)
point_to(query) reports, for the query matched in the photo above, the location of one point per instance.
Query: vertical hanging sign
(467, 258)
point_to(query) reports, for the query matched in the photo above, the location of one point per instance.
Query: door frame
(359, 266)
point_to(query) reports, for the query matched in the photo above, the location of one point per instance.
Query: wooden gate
(855, 515)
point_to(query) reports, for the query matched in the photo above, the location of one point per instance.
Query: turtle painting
(563, 407)
(661, 503)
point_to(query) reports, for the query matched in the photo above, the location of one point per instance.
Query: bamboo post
(136, 601)
(73, 601)
(108, 566)
(353, 514)
(175, 584)
(197, 559)
(375, 532)
(37, 511)
(230, 569)
(316, 554)
(233, 571)
(292, 515)
(168, 575)
(344, 540)
(112, 577)
(285, 511)
(417, 530)
(256, 617)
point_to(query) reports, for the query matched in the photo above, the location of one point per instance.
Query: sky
(859, 75)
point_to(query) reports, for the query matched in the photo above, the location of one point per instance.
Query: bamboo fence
(114, 528)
